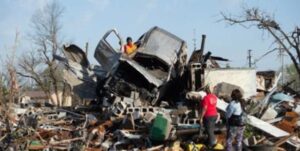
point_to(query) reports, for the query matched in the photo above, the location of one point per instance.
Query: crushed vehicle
(159, 63)
(159, 59)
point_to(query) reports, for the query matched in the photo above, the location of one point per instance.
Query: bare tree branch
(46, 31)
(254, 16)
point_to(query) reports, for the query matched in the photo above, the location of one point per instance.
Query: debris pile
(149, 100)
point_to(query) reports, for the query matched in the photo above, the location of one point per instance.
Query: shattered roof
(269, 73)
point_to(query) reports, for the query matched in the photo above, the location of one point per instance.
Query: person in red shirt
(209, 116)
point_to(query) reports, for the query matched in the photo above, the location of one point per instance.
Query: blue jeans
(235, 132)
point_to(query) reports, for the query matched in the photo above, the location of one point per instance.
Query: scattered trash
(149, 100)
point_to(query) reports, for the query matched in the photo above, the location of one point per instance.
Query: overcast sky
(87, 20)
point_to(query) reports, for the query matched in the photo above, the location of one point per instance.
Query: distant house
(38, 96)
(34, 96)
(265, 80)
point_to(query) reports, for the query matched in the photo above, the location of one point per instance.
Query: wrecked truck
(151, 70)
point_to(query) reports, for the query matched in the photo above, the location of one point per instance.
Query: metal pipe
(203, 42)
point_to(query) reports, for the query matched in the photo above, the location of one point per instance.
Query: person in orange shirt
(130, 47)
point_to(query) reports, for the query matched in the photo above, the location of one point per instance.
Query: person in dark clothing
(235, 127)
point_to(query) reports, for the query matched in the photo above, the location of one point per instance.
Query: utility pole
(281, 55)
(249, 58)
(194, 39)
(86, 48)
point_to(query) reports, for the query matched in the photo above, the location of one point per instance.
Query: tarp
(281, 97)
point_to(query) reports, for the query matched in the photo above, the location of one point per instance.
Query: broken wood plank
(283, 140)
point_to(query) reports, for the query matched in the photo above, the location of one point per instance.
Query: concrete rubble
(150, 100)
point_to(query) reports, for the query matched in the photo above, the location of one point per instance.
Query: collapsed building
(144, 101)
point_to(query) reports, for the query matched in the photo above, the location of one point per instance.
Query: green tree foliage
(291, 75)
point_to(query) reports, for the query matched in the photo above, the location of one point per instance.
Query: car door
(106, 54)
